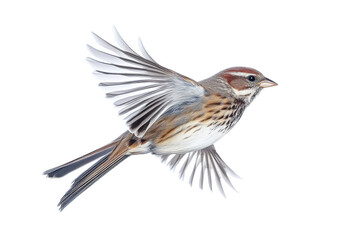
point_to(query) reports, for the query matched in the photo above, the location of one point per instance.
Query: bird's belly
(188, 138)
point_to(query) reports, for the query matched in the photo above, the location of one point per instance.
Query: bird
(167, 114)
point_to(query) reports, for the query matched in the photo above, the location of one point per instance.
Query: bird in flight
(167, 114)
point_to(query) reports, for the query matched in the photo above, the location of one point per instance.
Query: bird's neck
(247, 95)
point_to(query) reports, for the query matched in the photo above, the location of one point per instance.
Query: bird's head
(245, 82)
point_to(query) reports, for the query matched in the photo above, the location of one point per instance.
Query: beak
(267, 83)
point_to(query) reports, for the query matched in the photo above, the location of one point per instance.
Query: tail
(110, 155)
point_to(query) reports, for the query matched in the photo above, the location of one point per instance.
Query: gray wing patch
(142, 89)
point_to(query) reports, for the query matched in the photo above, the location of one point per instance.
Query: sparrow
(167, 114)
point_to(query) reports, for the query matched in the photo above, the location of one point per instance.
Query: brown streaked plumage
(167, 114)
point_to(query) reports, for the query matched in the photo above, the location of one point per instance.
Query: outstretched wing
(209, 162)
(143, 89)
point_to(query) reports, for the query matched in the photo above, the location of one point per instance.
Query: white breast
(195, 139)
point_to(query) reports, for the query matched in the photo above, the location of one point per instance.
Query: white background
(296, 147)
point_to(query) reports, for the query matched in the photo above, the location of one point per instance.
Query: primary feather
(148, 90)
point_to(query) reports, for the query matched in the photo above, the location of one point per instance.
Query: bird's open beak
(267, 83)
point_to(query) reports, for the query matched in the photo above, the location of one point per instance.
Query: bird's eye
(251, 78)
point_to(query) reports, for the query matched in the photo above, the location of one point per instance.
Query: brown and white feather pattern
(222, 113)
(143, 89)
(168, 115)
(197, 128)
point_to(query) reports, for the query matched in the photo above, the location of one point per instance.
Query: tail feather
(89, 177)
(64, 169)
(110, 155)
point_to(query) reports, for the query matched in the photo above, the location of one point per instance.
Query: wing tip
(114, 29)
(94, 34)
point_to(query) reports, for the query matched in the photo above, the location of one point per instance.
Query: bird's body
(197, 126)
(167, 114)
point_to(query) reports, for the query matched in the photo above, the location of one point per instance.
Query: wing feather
(144, 52)
(209, 162)
(141, 88)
